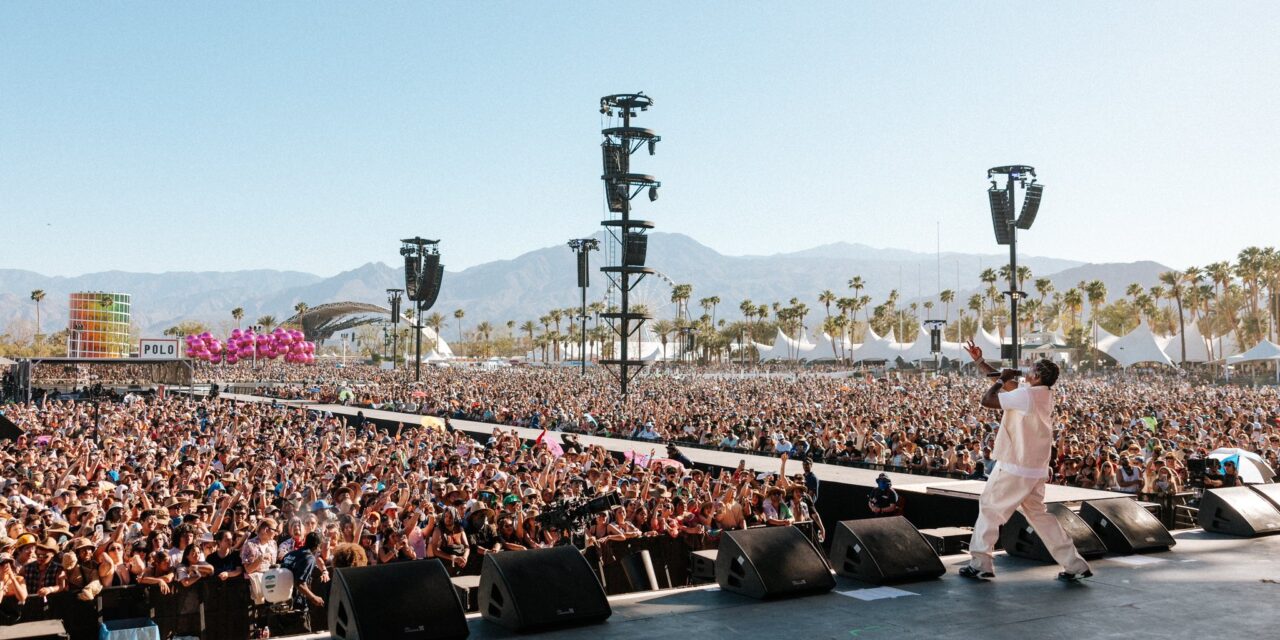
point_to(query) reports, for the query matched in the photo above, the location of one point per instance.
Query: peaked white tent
(1105, 339)
(787, 349)
(1264, 351)
(828, 348)
(876, 347)
(1139, 345)
(1197, 346)
(921, 349)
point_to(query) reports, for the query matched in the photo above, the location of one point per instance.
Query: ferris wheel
(654, 292)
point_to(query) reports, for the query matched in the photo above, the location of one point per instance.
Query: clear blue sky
(294, 135)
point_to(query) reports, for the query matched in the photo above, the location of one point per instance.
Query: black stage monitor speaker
(1125, 527)
(540, 589)
(1238, 511)
(39, 630)
(883, 550)
(771, 562)
(1018, 538)
(399, 600)
(635, 249)
(9, 430)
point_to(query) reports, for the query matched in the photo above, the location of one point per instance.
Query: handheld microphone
(1010, 374)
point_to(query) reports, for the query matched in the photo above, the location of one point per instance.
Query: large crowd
(172, 490)
(1156, 427)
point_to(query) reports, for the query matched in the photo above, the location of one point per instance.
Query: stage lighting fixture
(653, 194)
(1001, 214)
(1030, 205)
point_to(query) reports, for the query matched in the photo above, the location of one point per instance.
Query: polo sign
(157, 349)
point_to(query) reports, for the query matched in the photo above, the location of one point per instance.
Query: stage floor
(1207, 586)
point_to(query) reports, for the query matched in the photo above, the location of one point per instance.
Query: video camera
(572, 513)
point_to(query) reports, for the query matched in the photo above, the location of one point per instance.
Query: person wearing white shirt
(1022, 451)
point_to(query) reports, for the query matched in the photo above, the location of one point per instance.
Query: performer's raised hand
(974, 351)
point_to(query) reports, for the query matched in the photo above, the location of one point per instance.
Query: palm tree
(1074, 301)
(436, 322)
(946, 297)
(483, 331)
(458, 314)
(826, 298)
(1044, 287)
(975, 305)
(529, 327)
(300, 308)
(1024, 274)
(715, 302)
(556, 316)
(237, 314)
(1096, 291)
(857, 284)
(680, 295)
(37, 296)
(266, 322)
(663, 328)
(1175, 281)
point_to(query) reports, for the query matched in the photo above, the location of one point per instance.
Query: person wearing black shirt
(883, 500)
(226, 561)
(1212, 475)
(302, 562)
(1230, 477)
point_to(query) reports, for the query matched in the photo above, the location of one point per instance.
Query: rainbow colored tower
(99, 325)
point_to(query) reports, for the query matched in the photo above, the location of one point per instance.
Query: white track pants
(1004, 494)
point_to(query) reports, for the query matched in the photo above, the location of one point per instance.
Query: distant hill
(525, 287)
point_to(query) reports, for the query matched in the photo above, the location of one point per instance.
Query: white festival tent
(876, 347)
(828, 349)
(1105, 339)
(1197, 346)
(786, 348)
(1139, 345)
(921, 349)
(1264, 351)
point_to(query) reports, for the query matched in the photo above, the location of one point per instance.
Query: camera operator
(1023, 447)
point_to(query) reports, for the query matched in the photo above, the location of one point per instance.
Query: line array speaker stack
(1238, 511)
(1019, 538)
(1125, 527)
(771, 562)
(883, 550)
(541, 589)
(399, 600)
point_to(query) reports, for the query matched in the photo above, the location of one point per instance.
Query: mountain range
(527, 286)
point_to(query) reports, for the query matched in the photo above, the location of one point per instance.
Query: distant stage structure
(98, 325)
(322, 322)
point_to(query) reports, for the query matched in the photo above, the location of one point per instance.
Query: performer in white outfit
(1023, 446)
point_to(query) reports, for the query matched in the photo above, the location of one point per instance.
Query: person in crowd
(884, 501)
(302, 563)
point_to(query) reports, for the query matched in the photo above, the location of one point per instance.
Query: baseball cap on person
(321, 505)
